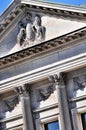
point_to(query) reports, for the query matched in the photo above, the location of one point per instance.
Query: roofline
(55, 5)
(10, 7)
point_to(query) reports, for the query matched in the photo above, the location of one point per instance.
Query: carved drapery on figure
(32, 32)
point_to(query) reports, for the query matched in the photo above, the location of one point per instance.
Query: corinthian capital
(23, 89)
(57, 78)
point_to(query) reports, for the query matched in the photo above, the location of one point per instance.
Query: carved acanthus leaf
(23, 89)
(58, 78)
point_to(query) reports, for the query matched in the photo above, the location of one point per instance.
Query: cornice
(61, 42)
(10, 18)
(62, 11)
(54, 5)
(65, 66)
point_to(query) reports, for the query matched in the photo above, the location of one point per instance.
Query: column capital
(23, 89)
(57, 78)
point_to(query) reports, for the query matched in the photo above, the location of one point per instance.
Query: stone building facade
(42, 67)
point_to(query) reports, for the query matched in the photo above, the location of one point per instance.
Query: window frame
(49, 120)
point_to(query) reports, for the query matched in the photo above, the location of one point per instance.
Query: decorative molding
(13, 118)
(39, 110)
(77, 99)
(59, 42)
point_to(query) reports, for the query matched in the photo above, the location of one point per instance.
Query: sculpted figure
(38, 29)
(21, 35)
(30, 36)
(31, 32)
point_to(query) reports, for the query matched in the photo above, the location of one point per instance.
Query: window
(83, 116)
(52, 126)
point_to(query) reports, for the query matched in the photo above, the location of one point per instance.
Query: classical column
(26, 107)
(62, 101)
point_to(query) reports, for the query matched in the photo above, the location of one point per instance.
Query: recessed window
(52, 126)
(83, 116)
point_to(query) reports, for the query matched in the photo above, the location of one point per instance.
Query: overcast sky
(5, 3)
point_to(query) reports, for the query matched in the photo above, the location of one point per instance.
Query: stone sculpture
(80, 82)
(39, 29)
(21, 35)
(8, 104)
(45, 92)
(32, 32)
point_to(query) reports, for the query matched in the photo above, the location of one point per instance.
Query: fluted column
(62, 101)
(26, 107)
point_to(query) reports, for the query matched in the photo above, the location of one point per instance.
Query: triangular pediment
(21, 29)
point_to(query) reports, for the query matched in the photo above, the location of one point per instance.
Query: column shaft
(63, 108)
(27, 115)
(62, 101)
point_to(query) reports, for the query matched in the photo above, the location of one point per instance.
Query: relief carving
(8, 104)
(45, 92)
(39, 29)
(11, 103)
(80, 82)
(31, 33)
(21, 35)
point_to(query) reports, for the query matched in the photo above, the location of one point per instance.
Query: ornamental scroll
(31, 33)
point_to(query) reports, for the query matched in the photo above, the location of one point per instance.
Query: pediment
(33, 26)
